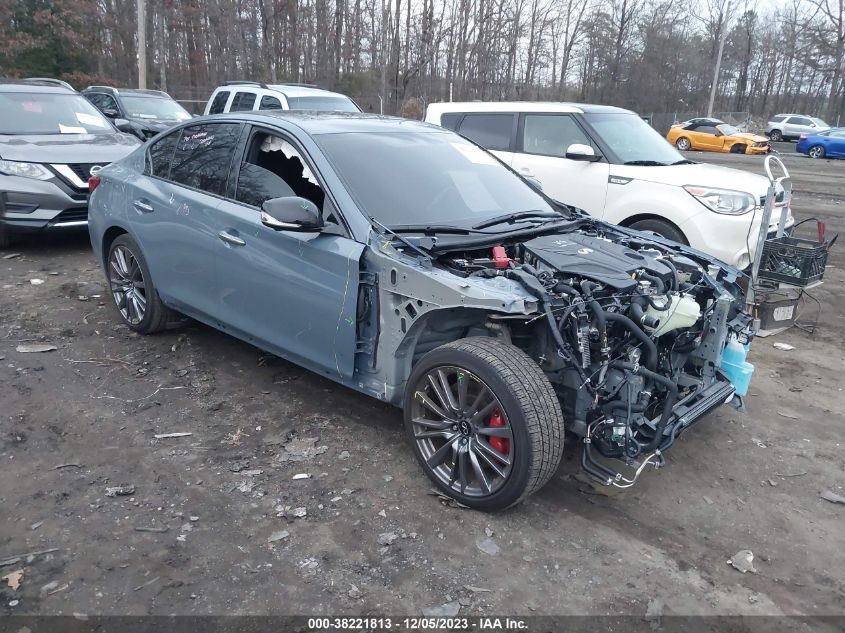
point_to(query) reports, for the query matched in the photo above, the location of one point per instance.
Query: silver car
(785, 127)
(50, 138)
(403, 261)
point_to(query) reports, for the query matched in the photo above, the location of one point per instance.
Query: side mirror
(291, 214)
(123, 125)
(579, 151)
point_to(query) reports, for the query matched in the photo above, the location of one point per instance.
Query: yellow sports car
(713, 135)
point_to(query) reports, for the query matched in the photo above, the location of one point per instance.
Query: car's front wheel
(484, 422)
(775, 136)
(816, 151)
(683, 144)
(132, 288)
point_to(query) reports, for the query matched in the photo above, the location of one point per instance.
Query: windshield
(330, 104)
(631, 139)
(727, 130)
(49, 113)
(154, 108)
(426, 178)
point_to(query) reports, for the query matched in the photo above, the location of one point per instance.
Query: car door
(542, 141)
(494, 131)
(835, 144)
(292, 293)
(707, 137)
(173, 212)
(797, 125)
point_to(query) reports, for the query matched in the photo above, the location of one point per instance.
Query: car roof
(522, 106)
(135, 92)
(319, 122)
(36, 86)
(289, 90)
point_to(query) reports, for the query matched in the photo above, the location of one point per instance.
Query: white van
(612, 164)
(243, 96)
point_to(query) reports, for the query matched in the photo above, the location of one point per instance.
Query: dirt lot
(222, 532)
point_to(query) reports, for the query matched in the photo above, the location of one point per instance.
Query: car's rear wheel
(661, 228)
(132, 288)
(816, 151)
(484, 422)
(738, 148)
(683, 144)
(775, 136)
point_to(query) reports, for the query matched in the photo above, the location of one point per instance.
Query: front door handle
(143, 205)
(525, 171)
(231, 239)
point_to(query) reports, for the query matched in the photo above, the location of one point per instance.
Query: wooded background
(647, 55)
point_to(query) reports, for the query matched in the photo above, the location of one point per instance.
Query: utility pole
(723, 35)
(142, 44)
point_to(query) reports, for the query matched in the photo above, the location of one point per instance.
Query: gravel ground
(217, 522)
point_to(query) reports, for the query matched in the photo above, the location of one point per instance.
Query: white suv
(783, 127)
(612, 164)
(240, 96)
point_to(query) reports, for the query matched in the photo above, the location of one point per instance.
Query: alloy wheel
(127, 285)
(683, 144)
(462, 431)
(816, 152)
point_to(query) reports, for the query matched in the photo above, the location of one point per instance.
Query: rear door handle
(143, 205)
(231, 239)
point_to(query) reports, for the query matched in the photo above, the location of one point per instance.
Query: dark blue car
(827, 144)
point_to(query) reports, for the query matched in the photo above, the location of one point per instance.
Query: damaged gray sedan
(405, 262)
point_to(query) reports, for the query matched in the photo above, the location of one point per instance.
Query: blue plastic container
(737, 369)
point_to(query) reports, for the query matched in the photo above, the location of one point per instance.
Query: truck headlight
(723, 201)
(25, 170)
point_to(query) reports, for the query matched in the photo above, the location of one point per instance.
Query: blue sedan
(827, 144)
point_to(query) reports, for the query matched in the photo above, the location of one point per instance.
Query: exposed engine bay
(629, 330)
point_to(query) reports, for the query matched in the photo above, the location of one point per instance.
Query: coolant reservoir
(684, 312)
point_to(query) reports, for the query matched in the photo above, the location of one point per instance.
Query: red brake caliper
(501, 444)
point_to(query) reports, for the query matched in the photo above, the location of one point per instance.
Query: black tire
(738, 148)
(816, 151)
(6, 240)
(662, 228)
(776, 136)
(683, 144)
(156, 316)
(528, 401)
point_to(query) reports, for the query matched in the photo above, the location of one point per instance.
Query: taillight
(93, 182)
(802, 137)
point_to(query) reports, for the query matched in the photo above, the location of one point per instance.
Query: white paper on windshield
(473, 192)
(146, 116)
(70, 129)
(474, 154)
(89, 119)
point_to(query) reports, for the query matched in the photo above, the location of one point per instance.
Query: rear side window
(450, 120)
(270, 103)
(161, 153)
(778, 118)
(219, 102)
(203, 156)
(243, 102)
(707, 129)
(551, 134)
(491, 131)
